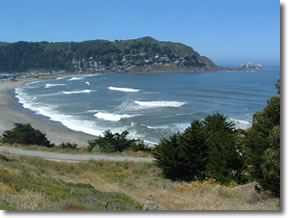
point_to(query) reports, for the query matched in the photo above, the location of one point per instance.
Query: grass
(26, 187)
(107, 185)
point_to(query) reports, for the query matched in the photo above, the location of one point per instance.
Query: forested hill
(142, 54)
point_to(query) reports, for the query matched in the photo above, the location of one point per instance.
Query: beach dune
(10, 115)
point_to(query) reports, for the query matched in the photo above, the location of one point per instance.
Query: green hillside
(144, 53)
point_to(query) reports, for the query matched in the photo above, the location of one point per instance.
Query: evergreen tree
(168, 157)
(224, 163)
(206, 148)
(25, 134)
(117, 142)
(195, 150)
(183, 156)
(263, 146)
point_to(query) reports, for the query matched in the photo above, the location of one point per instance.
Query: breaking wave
(160, 103)
(241, 124)
(123, 89)
(75, 78)
(71, 122)
(78, 92)
(111, 117)
(49, 85)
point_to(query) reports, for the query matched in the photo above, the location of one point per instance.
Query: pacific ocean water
(149, 105)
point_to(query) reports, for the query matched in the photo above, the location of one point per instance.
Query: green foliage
(68, 145)
(23, 56)
(117, 142)
(263, 146)
(270, 169)
(25, 134)
(183, 156)
(224, 163)
(206, 148)
(170, 159)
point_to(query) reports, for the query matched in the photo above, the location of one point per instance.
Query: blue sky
(227, 31)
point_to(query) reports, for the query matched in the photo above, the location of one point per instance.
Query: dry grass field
(36, 184)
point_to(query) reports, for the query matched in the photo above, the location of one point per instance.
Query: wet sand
(9, 115)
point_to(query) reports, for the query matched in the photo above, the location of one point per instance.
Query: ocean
(150, 106)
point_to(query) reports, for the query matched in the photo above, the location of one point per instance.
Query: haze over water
(149, 105)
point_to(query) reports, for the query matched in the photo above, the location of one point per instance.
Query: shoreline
(10, 114)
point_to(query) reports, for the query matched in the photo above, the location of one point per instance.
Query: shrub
(206, 148)
(224, 162)
(117, 142)
(183, 156)
(25, 134)
(68, 145)
(270, 169)
(263, 146)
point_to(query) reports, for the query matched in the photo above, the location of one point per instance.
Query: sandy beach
(9, 115)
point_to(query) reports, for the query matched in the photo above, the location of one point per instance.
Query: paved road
(70, 157)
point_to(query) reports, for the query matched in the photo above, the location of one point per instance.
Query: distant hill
(3, 43)
(142, 54)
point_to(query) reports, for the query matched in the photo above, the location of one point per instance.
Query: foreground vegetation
(26, 187)
(36, 184)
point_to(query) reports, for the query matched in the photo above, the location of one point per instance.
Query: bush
(224, 161)
(206, 148)
(68, 145)
(183, 156)
(263, 146)
(117, 142)
(25, 134)
(270, 168)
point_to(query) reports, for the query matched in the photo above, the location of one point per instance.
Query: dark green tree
(195, 150)
(169, 158)
(224, 163)
(206, 148)
(25, 134)
(183, 156)
(117, 142)
(263, 146)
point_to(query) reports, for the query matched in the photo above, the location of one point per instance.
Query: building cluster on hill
(126, 62)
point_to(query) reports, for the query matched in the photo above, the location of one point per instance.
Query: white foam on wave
(111, 117)
(77, 92)
(123, 89)
(175, 127)
(62, 77)
(34, 84)
(87, 83)
(91, 75)
(241, 124)
(75, 78)
(71, 122)
(160, 103)
(49, 85)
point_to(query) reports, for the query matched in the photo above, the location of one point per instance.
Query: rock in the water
(150, 205)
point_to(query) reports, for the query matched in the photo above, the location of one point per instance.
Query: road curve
(70, 157)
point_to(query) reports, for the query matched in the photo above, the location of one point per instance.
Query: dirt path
(70, 157)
